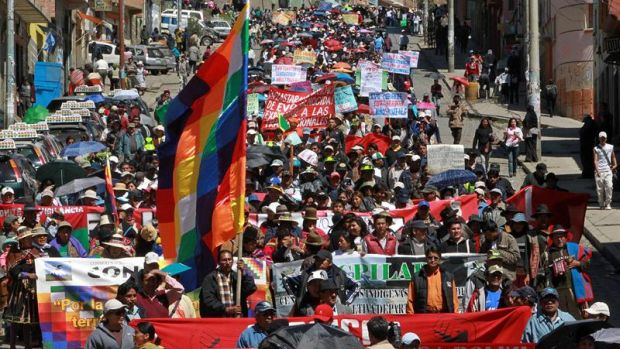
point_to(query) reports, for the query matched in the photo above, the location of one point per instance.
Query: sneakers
(608, 207)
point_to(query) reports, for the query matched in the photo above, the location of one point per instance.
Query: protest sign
(388, 104)
(283, 17)
(371, 80)
(284, 74)
(280, 101)
(315, 109)
(302, 56)
(494, 329)
(414, 57)
(345, 99)
(442, 157)
(350, 18)
(253, 104)
(396, 63)
(71, 293)
(383, 279)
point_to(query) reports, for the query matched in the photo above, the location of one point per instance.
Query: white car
(220, 26)
(110, 52)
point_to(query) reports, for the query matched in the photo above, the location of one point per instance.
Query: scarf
(224, 289)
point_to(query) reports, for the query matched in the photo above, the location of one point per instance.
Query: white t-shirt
(604, 157)
(101, 65)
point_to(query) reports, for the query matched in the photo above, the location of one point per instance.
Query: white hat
(479, 191)
(140, 63)
(48, 193)
(480, 184)
(90, 194)
(409, 338)
(114, 159)
(113, 304)
(127, 173)
(277, 162)
(400, 185)
(415, 157)
(421, 114)
(151, 258)
(318, 275)
(602, 134)
(329, 147)
(7, 190)
(252, 132)
(598, 308)
(358, 148)
(497, 191)
(125, 207)
(159, 128)
(396, 138)
(466, 157)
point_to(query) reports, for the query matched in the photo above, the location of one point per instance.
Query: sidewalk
(560, 148)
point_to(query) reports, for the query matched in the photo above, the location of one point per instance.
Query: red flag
(382, 141)
(569, 209)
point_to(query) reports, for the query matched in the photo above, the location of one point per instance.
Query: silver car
(153, 59)
(220, 26)
(168, 56)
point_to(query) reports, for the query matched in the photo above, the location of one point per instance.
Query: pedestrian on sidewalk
(194, 57)
(551, 94)
(403, 41)
(483, 140)
(503, 82)
(530, 130)
(457, 113)
(587, 141)
(513, 136)
(605, 165)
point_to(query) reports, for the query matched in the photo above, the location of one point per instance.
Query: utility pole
(179, 6)
(425, 25)
(10, 63)
(121, 41)
(533, 90)
(451, 36)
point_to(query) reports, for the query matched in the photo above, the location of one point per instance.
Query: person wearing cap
(430, 193)
(548, 318)
(528, 249)
(146, 241)
(128, 225)
(131, 142)
(525, 296)
(252, 336)
(284, 245)
(494, 180)
(66, 244)
(410, 340)
(217, 297)
(495, 210)
(328, 295)
(8, 196)
(541, 226)
(381, 240)
(46, 198)
(432, 289)
(536, 178)
(474, 224)
(457, 113)
(112, 332)
(305, 302)
(564, 265)
(274, 192)
(397, 168)
(424, 214)
(415, 239)
(605, 165)
(323, 314)
(505, 244)
(378, 333)
(487, 297)
(597, 311)
(391, 154)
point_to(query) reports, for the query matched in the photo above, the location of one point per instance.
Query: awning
(93, 19)
(30, 12)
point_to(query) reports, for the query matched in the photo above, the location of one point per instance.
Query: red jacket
(374, 246)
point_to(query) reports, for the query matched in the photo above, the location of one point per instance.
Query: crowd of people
(532, 263)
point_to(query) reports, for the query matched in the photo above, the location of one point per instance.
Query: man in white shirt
(605, 165)
(101, 67)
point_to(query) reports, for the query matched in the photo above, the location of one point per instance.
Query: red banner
(569, 209)
(313, 110)
(478, 346)
(382, 141)
(496, 326)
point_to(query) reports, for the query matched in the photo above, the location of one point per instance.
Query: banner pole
(239, 271)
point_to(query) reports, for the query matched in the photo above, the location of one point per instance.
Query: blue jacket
(125, 146)
(540, 324)
(251, 337)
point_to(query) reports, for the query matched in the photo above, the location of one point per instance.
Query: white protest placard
(414, 57)
(442, 157)
(345, 99)
(284, 74)
(371, 79)
(388, 104)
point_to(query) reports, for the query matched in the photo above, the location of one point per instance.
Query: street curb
(612, 257)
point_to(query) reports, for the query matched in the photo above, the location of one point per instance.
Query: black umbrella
(316, 336)
(260, 155)
(567, 335)
(78, 185)
(60, 172)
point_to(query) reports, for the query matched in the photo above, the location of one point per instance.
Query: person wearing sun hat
(116, 247)
(66, 244)
(39, 241)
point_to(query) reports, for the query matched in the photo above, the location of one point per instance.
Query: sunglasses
(433, 258)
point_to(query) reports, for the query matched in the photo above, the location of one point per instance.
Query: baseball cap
(526, 292)
(113, 304)
(6, 190)
(602, 134)
(48, 193)
(324, 254)
(324, 312)
(480, 184)
(277, 162)
(494, 254)
(497, 191)
(519, 218)
(409, 338)
(318, 275)
(125, 207)
(424, 203)
(479, 191)
(549, 291)
(598, 308)
(396, 138)
(263, 307)
(495, 269)
(114, 159)
(151, 258)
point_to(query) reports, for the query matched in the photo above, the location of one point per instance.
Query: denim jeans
(513, 152)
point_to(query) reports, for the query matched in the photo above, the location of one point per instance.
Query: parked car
(153, 59)
(110, 52)
(35, 152)
(168, 56)
(220, 26)
(17, 172)
(187, 14)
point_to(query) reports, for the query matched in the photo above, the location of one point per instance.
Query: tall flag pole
(201, 189)
(110, 198)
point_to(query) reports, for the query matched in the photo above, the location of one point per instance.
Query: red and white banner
(569, 209)
(313, 110)
(496, 326)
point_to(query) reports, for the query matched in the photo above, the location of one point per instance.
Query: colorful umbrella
(460, 80)
(341, 65)
(425, 105)
(81, 148)
(325, 77)
(452, 177)
(266, 41)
